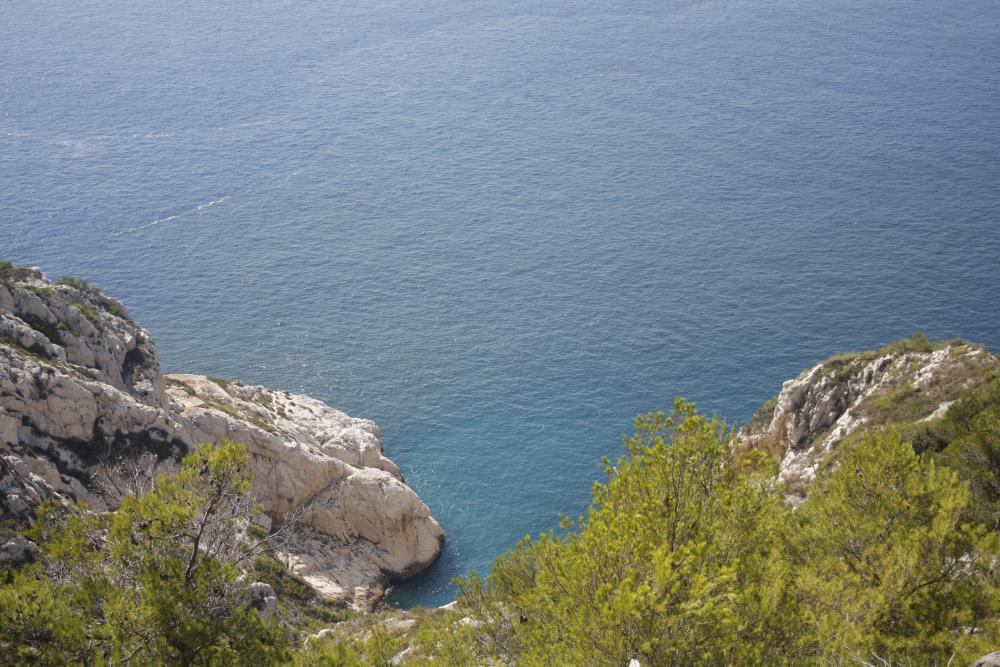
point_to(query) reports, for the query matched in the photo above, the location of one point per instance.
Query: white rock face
(94, 331)
(80, 382)
(826, 403)
(310, 459)
(20, 489)
(261, 597)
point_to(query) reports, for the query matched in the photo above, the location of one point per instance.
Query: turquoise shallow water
(502, 229)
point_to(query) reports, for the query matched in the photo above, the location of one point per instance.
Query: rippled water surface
(501, 229)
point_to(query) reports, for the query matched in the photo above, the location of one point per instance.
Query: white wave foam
(175, 216)
(211, 203)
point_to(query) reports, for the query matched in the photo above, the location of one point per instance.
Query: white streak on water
(202, 207)
(169, 218)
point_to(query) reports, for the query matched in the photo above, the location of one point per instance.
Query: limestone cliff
(904, 382)
(80, 384)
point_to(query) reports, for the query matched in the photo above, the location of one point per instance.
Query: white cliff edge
(816, 411)
(80, 383)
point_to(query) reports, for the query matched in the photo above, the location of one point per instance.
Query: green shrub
(92, 314)
(6, 273)
(686, 556)
(301, 606)
(918, 342)
(112, 307)
(222, 382)
(78, 283)
(154, 582)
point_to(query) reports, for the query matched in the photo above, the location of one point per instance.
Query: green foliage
(245, 415)
(79, 284)
(154, 582)
(299, 603)
(918, 342)
(183, 386)
(6, 273)
(967, 439)
(52, 331)
(445, 640)
(92, 314)
(36, 352)
(906, 403)
(376, 648)
(688, 557)
(670, 564)
(974, 450)
(884, 566)
(43, 292)
(38, 623)
(112, 306)
(222, 382)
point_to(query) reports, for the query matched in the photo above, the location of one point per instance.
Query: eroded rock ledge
(908, 381)
(80, 383)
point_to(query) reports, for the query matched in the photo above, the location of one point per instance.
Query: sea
(503, 229)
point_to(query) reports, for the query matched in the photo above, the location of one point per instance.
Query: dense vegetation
(688, 555)
(155, 582)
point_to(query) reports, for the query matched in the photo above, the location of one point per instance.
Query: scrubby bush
(153, 583)
(687, 557)
(78, 283)
(6, 273)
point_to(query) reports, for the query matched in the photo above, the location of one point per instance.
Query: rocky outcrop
(87, 329)
(22, 490)
(988, 660)
(907, 382)
(360, 522)
(261, 597)
(17, 551)
(80, 385)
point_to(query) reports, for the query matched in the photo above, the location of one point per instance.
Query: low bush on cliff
(968, 438)
(300, 605)
(79, 284)
(6, 272)
(153, 583)
(688, 557)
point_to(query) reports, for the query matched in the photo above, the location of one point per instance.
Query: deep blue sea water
(502, 229)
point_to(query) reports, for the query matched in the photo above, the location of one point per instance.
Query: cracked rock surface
(80, 384)
(819, 409)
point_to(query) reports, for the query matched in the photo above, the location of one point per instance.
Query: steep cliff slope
(80, 385)
(905, 382)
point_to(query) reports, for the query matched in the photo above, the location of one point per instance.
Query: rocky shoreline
(81, 385)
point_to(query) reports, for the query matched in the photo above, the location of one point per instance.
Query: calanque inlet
(81, 385)
(83, 398)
